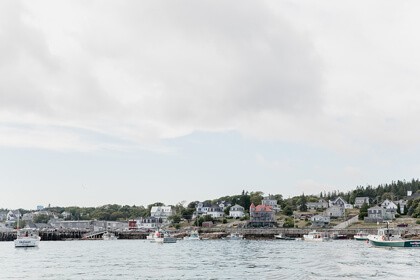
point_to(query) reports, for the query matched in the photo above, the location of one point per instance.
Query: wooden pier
(213, 233)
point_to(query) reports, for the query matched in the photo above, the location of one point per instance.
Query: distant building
(360, 200)
(116, 226)
(271, 201)
(3, 216)
(202, 208)
(320, 221)
(339, 201)
(215, 212)
(149, 223)
(261, 216)
(237, 211)
(375, 214)
(162, 212)
(224, 204)
(320, 204)
(335, 211)
(83, 224)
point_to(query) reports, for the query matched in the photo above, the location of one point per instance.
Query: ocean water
(207, 259)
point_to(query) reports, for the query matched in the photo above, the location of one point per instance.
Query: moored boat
(109, 236)
(193, 235)
(361, 236)
(283, 237)
(316, 236)
(235, 236)
(27, 237)
(388, 237)
(164, 238)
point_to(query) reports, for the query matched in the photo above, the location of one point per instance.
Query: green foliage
(363, 211)
(224, 221)
(227, 209)
(256, 197)
(187, 213)
(288, 223)
(175, 219)
(287, 211)
(418, 222)
(302, 203)
(41, 218)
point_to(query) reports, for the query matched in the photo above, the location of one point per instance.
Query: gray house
(335, 211)
(320, 204)
(375, 214)
(320, 221)
(358, 202)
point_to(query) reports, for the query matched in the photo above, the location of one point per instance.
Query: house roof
(263, 208)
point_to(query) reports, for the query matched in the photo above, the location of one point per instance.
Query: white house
(202, 208)
(149, 223)
(402, 204)
(215, 212)
(271, 201)
(340, 202)
(236, 211)
(161, 212)
(388, 204)
(224, 204)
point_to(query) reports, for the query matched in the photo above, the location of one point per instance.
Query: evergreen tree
(363, 211)
(303, 207)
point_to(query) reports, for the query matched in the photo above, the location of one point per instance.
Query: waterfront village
(252, 213)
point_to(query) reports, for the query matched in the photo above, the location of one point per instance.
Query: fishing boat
(193, 235)
(361, 236)
(283, 237)
(316, 236)
(153, 235)
(109, 236)
(387, 237)
(27, 237)
(235, 236)
(336, 236)
(164, 237)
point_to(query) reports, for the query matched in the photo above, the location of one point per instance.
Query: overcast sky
(133, 102)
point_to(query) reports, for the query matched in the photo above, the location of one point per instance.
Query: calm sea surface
(210, 259)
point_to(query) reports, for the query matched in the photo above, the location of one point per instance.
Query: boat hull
(165, 240)
(396, 243)
(26, 242)
(360, 238)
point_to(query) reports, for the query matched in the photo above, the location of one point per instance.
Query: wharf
(211, 233)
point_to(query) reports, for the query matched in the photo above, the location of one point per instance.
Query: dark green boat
(388, 237)
(396, 243)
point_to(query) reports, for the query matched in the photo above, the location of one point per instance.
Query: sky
(136, 102)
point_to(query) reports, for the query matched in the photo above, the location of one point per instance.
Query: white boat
(192, 236)
(316, 236)
(385, 234)
(361, 236)
(235, 236)
(109, 236)
(283, 237)
(153, 235)
(27, 237)
(164, 238)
